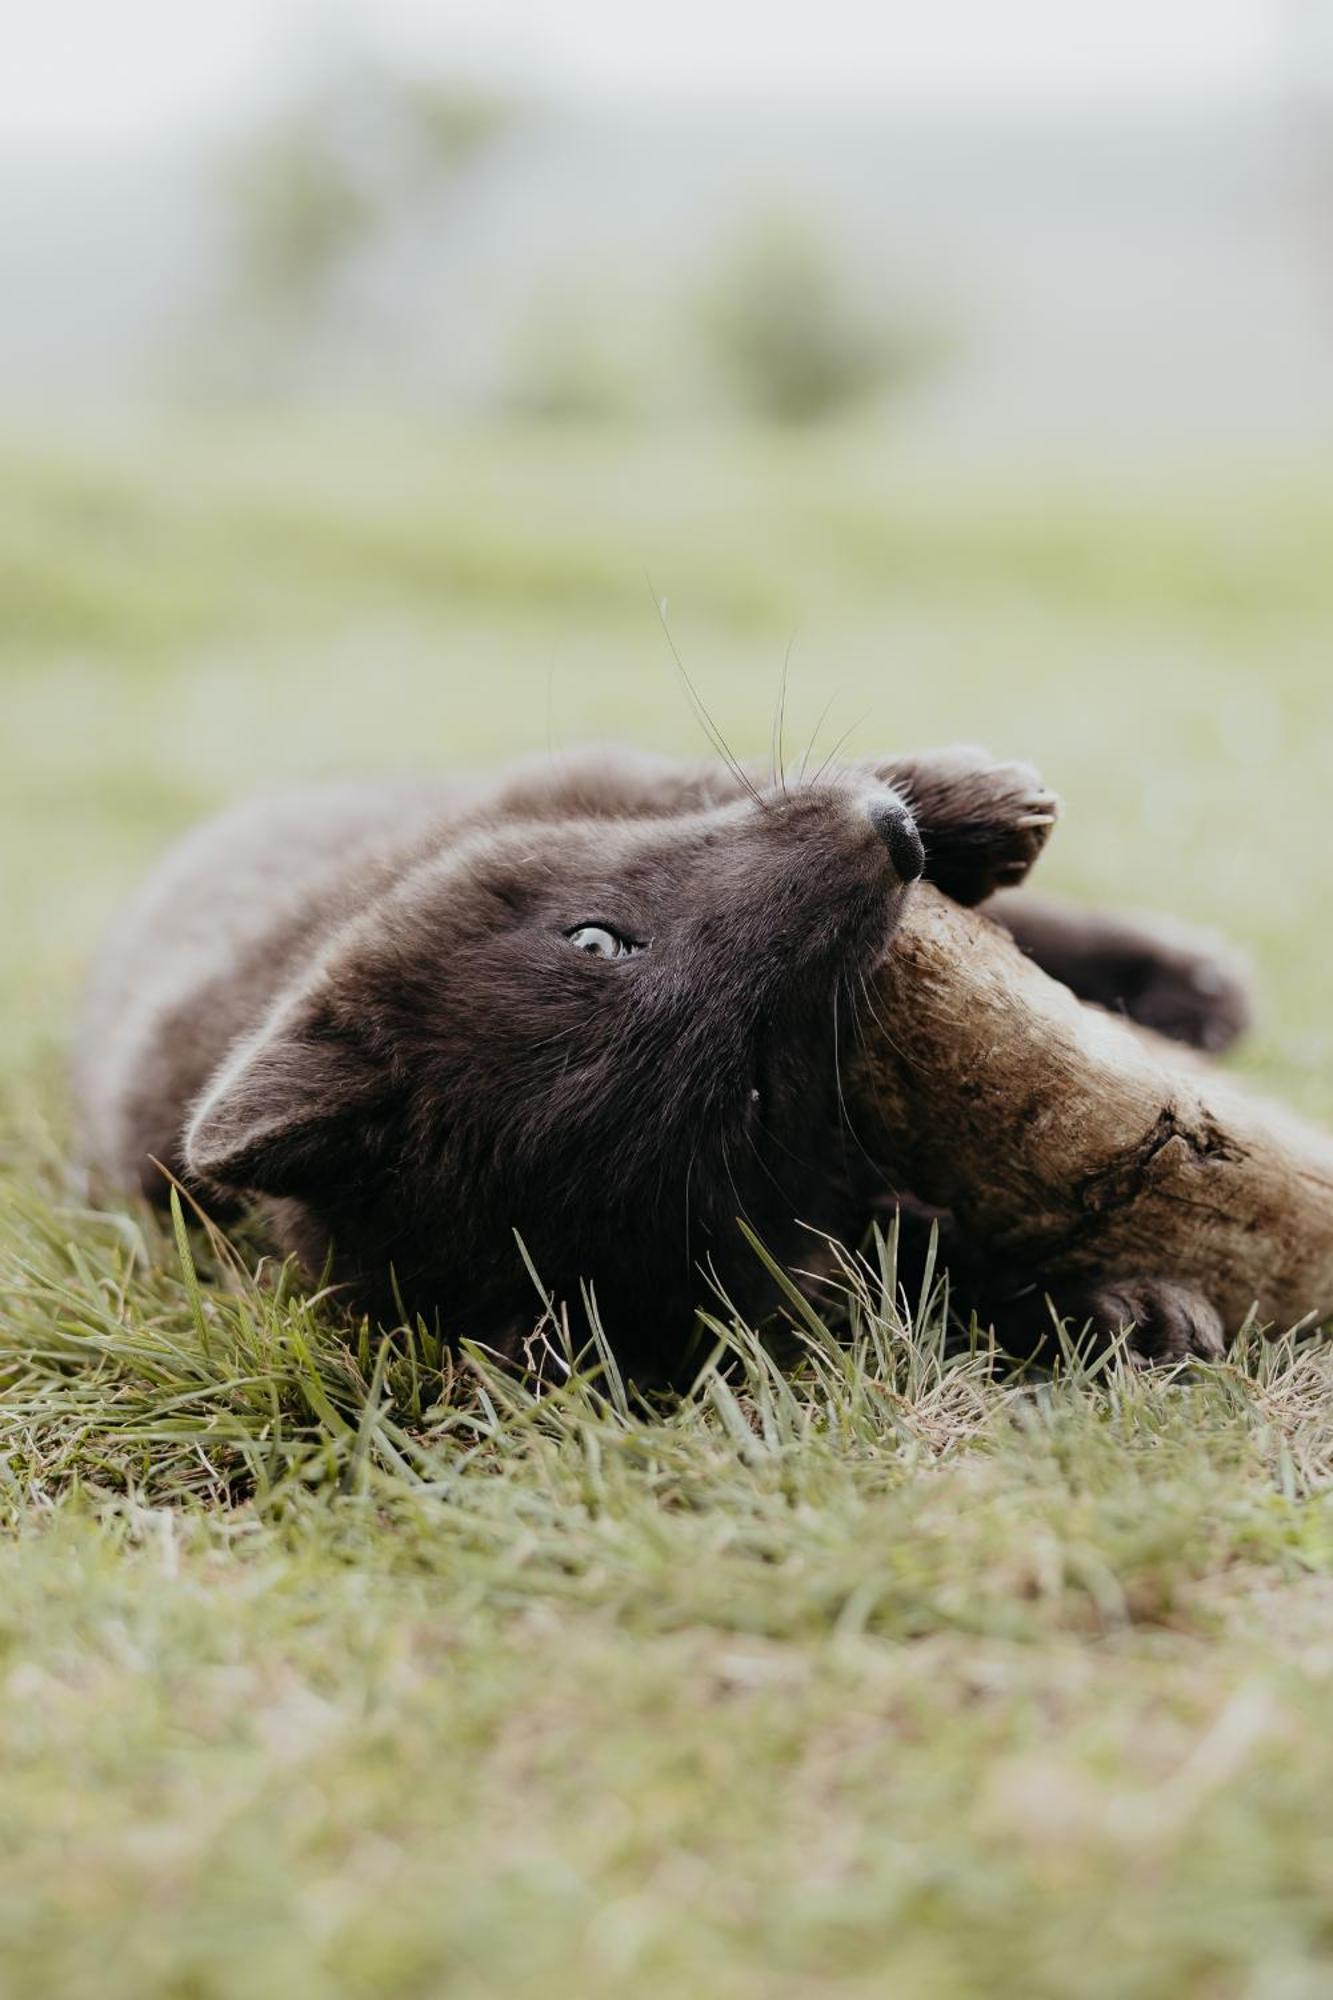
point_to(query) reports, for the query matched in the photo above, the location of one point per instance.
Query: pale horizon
(80, 76)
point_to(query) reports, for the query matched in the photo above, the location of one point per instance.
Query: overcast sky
(88, 71)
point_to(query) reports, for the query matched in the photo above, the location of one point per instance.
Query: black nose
(897, 829)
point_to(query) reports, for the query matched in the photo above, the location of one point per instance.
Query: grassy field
(325, 1676)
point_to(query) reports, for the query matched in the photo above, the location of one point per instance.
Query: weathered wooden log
(1070, 1143)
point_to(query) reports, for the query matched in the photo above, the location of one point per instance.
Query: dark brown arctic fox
(600, 1005)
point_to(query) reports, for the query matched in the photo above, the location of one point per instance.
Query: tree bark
(1073, 1144)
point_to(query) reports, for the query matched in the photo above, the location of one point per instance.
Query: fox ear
(298, 1103)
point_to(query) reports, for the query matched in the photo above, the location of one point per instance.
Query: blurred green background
(361, 391)
(211, 607)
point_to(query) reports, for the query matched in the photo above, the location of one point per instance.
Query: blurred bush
(320, 188)
(569, 377)
(793, 343)
(573, 360)
(351, 225)
(774, 332)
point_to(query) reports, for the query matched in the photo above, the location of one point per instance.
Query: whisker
(778, 747)
(701, 714)
(845, 1117)
(689, 1181)
(742, 1210)
(855, 724)
(814, 735)
(879, 1020)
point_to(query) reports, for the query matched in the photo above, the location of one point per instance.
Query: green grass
(330, 1674)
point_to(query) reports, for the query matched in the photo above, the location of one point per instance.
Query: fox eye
(600, 941)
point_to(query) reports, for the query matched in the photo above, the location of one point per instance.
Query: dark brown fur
(362, 1007)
